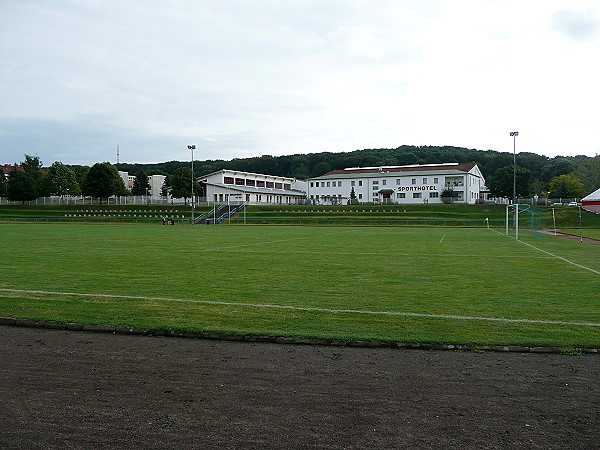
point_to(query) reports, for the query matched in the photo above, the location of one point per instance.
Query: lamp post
(192, 148)
(514, 135)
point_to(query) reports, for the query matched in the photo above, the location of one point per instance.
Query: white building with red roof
(592, 202)
(413, 184)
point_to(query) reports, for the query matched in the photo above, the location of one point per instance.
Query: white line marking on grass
(442, 239)
(301, 308)
(555, 256)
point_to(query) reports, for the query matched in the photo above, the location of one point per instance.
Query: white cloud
(357, 41)
(577, 24)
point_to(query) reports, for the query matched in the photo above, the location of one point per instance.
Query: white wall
(407, 189)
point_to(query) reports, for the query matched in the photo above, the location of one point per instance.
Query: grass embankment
(96, 211)
(419, 215)
(436, 215)
(421, 271)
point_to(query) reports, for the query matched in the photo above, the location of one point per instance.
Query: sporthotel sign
(416, 188)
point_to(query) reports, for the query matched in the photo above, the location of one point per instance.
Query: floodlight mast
(192, 148)
(514, 135)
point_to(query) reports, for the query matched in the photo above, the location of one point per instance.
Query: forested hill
(302, 166)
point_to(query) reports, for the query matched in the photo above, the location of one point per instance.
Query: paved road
(64, 389)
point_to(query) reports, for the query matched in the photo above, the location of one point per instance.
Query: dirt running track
(64, 389)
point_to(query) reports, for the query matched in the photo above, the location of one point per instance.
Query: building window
(360, 196)
(278, 185)
(260, 183)
(375, 182)
(414, 181)
(317, 184)
(401, 195)
(424, 180)
(287, 187)
(416, 195)
(384, 182)
(339, 184)
(250, 183)
(435, 181)
(360, 182)
(398, 182)
(228, 180)
(353, 183)
(434, 194)
(270, 184)
(334, 183)
(240, 182)
(312, 184)
(328, 184)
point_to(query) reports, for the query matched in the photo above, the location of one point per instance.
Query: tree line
(538, 171)
(29, 180)
(558, 177)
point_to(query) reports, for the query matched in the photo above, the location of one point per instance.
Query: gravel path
(65, 389)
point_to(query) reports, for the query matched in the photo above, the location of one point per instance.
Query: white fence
(115, 200)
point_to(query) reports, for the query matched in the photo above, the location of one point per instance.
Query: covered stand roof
(592, 202)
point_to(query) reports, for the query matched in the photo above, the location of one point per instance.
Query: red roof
(390, 169)
(8, 168)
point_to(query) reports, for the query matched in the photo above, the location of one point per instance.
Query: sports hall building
(592, 202)
(251, 188)
(414, 184)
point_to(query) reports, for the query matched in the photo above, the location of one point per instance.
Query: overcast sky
(243, 78)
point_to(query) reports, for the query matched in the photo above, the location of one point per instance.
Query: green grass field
(420, 274)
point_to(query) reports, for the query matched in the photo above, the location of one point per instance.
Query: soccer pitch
(434, 285)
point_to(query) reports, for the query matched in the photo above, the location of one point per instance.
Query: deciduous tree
(588, 173)
(103, 181)
(2, 184)
(180, 183)
(140, 184)
(566, 186)
(61, 180)
(501, 184)
(27, 184)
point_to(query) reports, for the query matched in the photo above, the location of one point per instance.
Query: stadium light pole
(514, 135)
(192, 148)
